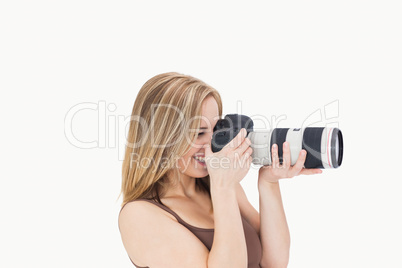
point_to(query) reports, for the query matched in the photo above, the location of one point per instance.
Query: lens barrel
(324, 146)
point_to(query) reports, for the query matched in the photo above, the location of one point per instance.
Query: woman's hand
(277, 171)
(230, 165)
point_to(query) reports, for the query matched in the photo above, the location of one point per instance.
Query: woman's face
(192, 164)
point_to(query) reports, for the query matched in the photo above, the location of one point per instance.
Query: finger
(233, 144)
(298, 166)
(275, 159)
(310, 171)
(286, 155)
(245, 159)
(247, 153)
(244, 146)
(247, 156)
(249, 161)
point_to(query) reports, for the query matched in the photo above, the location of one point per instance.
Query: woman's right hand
(230, 165)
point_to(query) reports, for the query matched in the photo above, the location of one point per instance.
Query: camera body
(226, 129)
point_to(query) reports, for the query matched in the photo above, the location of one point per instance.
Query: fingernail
(285, 144)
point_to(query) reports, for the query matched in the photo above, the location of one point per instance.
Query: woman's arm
(229, 245)
(274, 231)
(229, 248)
(270, 223)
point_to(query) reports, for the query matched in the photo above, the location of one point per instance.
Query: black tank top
(206, 236)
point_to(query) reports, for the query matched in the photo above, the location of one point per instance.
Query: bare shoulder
(133, 211)
(152, 238)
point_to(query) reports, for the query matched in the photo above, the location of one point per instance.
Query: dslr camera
(324, 146)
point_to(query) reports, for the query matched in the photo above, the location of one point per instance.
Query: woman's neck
(181, 186)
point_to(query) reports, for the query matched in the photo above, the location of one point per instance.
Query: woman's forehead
(210, 112)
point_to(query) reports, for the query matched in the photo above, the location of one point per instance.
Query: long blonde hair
(166, 108)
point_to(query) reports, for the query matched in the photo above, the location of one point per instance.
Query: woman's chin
(199, 171)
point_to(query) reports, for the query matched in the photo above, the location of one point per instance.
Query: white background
(59, 202)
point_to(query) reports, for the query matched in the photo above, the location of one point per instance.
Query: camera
(324, 146)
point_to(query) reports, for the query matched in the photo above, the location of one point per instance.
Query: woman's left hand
(277, 171)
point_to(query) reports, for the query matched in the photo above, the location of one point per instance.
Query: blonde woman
(184, 206)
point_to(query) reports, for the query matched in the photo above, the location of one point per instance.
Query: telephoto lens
(324, 146)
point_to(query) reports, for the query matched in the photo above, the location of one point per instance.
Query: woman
(184, 206)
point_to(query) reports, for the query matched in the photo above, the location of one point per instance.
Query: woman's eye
(200, 133)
